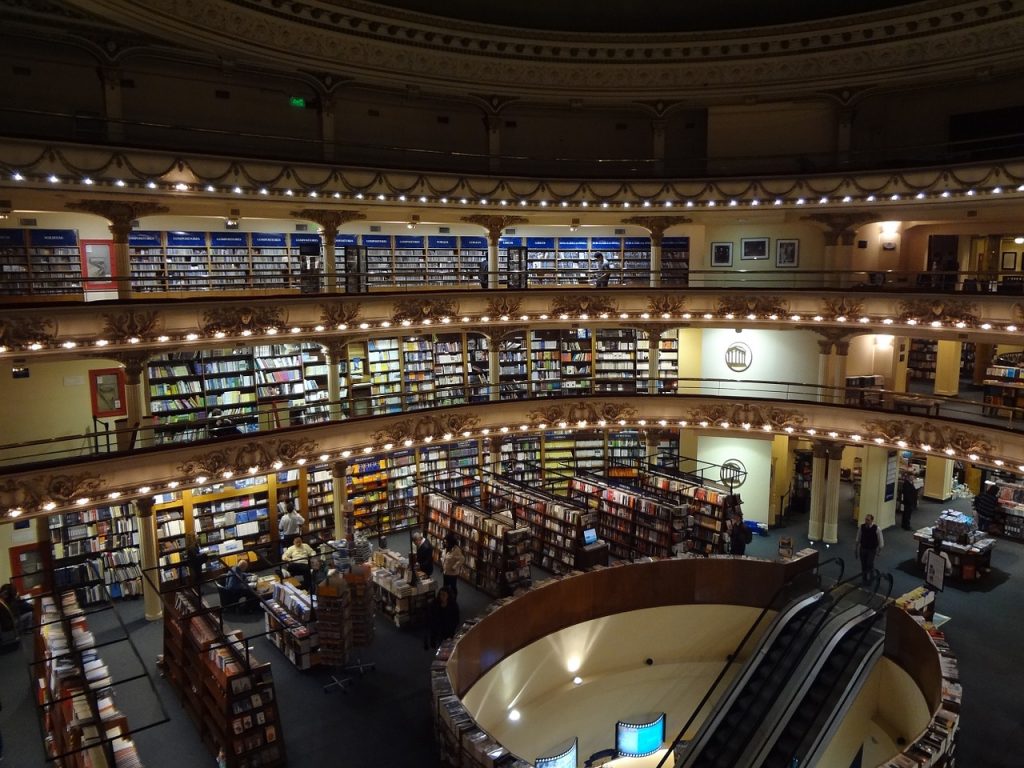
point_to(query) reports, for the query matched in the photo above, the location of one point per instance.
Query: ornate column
(120, 215)
(830, 523)
(134, 363)
(656, 225)
(335, 352)
(816, 517)
(824, 358)
(494, 366)
(653, 358)
(839, 370)
(840, 234)
(342, 508)
(148, 558)
(329, 220)
(494, 225)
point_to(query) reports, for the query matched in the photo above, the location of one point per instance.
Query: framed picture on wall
(787, 253)
(721, 254)
(106, 386)
(754, 248)
(1009, 261)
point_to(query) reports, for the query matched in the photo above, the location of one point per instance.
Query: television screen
(640, 738)
(565, 757)
(589, 536)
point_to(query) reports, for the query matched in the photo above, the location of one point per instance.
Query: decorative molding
(119, 213)
(121, 326)
(23, 329)
(656, 225)
(494, 225)
(575, 413)
(501, 333)
(583, 304)
(23, 493)
(937, 436)
(504, 305)
(423, 427)
(329, 219)
(938, 310)
(235, 319)
(741, 306)
(666, 303)
(840, 228)
(338, 313)
(739, 414)
(134, 364)
(841, 306)
(417, 310)
(238, 458)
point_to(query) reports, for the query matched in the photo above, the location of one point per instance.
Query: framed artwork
(721, 254)
(106, 387)
(1009, 261)
(98, 264)
(787, 253)
(754, 248)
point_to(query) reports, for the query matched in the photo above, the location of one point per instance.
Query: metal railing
(262, 419)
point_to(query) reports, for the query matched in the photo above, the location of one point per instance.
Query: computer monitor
(644, 737)
(589, 536)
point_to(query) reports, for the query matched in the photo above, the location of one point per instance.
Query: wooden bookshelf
(290, 625)
(96, 552)
(228, 694)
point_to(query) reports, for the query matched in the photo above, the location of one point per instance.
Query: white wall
(790, 356)
(756, 456)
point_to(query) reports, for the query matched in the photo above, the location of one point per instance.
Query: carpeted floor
(384, 718)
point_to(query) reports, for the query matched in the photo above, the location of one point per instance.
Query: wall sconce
(413, 222)
(5, 209)
(574, 225)
(233, 217)
(883, 341)
(890, 233)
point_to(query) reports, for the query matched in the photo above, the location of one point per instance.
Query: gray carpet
(384, 719)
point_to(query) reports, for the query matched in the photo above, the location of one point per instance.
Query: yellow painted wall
(12, 537)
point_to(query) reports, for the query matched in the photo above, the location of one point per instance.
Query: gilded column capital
(494, 225)
(840, 228)
(120, 213)
(328, 219)
(657, 225)
(134, 364)
(144, 506)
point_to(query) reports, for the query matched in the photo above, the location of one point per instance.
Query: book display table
(969, 561)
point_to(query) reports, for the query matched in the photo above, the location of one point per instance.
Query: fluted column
(119, 215)
(494, 368)
(494, 225)
(839, 370)
(329, 220)
(656, 225)
(830, 526)
(134, 363)
(816, 518)
(840, 234)
(148, 558)
(335, 353)
(824, 358)
(653, 361)
(342, 508)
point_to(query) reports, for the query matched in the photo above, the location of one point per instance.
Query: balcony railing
(152, 436)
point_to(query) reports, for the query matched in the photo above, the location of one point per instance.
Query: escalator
(748, 712)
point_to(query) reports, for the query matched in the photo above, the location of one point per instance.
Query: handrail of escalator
(839, 560)
(732, 658)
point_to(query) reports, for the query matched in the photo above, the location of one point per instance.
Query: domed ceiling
(646, 16)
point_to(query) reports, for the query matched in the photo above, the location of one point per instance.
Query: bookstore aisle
(385, 720)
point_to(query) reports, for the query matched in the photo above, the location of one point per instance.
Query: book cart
(228, 694)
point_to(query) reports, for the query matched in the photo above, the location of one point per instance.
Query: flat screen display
(589, 536)
(565, 757)
(636, 739)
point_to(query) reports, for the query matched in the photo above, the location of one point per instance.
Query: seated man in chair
(299, 560)
(238, 589)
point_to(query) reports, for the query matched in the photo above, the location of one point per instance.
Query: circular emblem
(738, 356)
(733, 474)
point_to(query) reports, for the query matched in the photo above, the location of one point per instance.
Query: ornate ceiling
(349, 40)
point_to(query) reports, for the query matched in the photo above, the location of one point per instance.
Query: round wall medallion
(733, 474)
(738, 356)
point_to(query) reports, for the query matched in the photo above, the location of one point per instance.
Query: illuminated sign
(640, 738)
(564, 757)
(738, 356)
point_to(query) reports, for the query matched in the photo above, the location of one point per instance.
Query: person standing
(451, 564)
(986, 506)
(869, 543)
(424, 553)
(908, 502)
(739, 535)
(291, 522)
(602, 271)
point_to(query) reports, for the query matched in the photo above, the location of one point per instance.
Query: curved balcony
(744, 409)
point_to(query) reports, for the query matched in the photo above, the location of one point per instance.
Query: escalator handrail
(809, 640)
(731, 658)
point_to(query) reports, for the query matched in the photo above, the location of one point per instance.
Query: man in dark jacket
(986, 505)
(424, 553)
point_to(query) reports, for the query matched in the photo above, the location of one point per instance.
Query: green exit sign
(297, 101)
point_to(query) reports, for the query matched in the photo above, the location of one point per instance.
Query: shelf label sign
(606, 243)
(541, 243)
(305, 238)
(509, 242)
(228, 240)
(472, 241)
(269, 240)
(676, 243)
(441, 241)
(186, 239)
(377, 241)
(52, 237)
(345, 240)
(146, 239)
(638, 243)
(412, 242)
(572, 244)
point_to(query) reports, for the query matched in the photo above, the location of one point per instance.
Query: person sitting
(238, 588)
(221, 425)
(298, 558)
(20, 607)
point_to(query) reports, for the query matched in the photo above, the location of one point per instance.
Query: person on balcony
(602, 271)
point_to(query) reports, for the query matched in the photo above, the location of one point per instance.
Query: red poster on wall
(99, 267)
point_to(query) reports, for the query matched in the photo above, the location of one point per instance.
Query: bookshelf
(289, 624)
(615, 364)
(146, 260)
(675, 261)
(478, 367)
(379, 262)
(577, 358)
(707, 506)
(228, 694)
(270, 259)
(82, 725)
(542, 264)
(55, 261)
(334, 620)
(229, 261)
(229, 384)
(450, 369)
(171, 534)
(636, 260)
(385, 372)
(14, 263)
(96, 553)
(1003, 387)
(624, 451)
(410, 260)
(315, 389)
(176, 396)
(188, 265)
(494, 547)
(442, 263)
(668, 360)
(229, 513)
(520, 458)
(921, 359)
(403, 492)
(418, 366)
(319, 502)
(513, 374)
(280, 383)
(472, 250)
(632, 521)
(545, 363)
(573, 260)
(368, 490)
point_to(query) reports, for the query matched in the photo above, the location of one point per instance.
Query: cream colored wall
(872, 354)
(688, 645)
(88, 227)
(691, 348)
(812, 245)
(53, 401)
(14, 537)
(756, 456)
